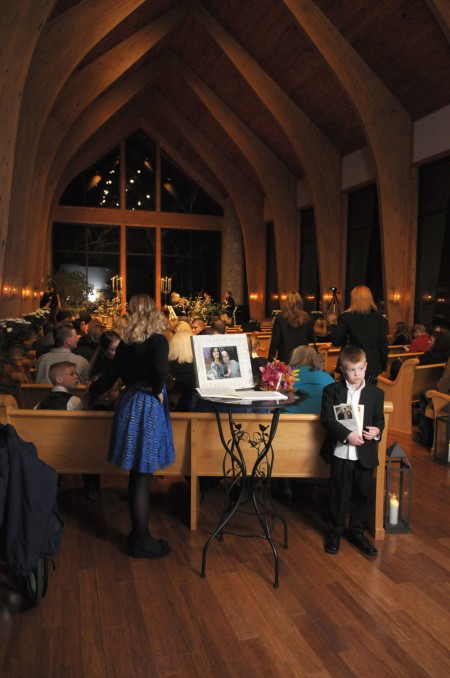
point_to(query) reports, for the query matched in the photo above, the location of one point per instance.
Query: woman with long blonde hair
(292, 327)
(141, 438)
(362, 325)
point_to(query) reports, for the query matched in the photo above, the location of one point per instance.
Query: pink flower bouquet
(277, 376)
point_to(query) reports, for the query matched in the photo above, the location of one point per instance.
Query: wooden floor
(108, 615)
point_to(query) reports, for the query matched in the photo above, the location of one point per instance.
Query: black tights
(139, 503)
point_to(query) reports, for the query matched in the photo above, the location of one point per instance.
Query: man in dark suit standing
(352, 455)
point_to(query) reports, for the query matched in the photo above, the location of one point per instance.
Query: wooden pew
(440, 403)
(264, 344)
(77, 442)
(402, 356)
(426, 377)
(411, 380)
(399, 392)
(32, 394)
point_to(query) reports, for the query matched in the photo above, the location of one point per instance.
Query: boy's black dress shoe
(362, 544)
(332, 543)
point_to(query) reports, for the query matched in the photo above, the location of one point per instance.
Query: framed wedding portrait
(222, 361)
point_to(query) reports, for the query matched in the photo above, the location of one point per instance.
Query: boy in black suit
(352, 455)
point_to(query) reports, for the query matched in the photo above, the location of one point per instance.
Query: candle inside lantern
(393, 509)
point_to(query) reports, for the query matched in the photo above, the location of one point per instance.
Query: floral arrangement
(37, 318)
(277, 376)
(14, 331)
(110, 307)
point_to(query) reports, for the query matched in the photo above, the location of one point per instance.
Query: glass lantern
(397, 516)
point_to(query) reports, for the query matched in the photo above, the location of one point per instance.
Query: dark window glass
(141, 260)
(309, 269)
(90, 249)
(432, 303)
(98, 186)
(272, 300)
(193, 260)
(180, 194)
(364, 265)
(140, 172)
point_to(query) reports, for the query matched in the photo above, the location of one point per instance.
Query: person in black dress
(363, 325)
(292, 328)
(141, 438)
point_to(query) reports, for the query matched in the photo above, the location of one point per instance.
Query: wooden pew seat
(77, 442)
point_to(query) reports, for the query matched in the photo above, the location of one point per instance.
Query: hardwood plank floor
(107, 615)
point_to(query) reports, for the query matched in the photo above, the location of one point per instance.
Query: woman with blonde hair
(292, 327)
(309, 378)
(181, 369)
(362, 325)
(141, 437)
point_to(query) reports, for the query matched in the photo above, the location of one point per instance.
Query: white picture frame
(232, 374)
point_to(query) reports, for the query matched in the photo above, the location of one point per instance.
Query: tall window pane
(97, 186)
(364, 265)
(90, 249)
(180, 194)
(141, 249)
(140, 168)
(309, 269)
(193, 260)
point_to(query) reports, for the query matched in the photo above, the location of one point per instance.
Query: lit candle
(393, 509)
(113, 281)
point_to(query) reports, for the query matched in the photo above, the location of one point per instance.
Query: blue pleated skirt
(141, 437)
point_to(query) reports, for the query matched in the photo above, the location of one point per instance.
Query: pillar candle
(393, 510)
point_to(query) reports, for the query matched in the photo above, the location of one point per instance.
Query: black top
(285, 338)
(182, 389)
(368, 331)
(142, 364)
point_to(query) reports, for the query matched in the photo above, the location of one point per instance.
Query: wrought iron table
(244, 485)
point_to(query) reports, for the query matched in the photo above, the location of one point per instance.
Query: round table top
(260, 404)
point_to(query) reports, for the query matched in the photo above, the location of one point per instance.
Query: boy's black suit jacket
(373, 400)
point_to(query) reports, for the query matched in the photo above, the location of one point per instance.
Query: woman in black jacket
(361, 324)
(292, 328)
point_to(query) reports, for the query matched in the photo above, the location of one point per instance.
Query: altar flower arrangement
(14, 331)
(277, 376)
(37, 318)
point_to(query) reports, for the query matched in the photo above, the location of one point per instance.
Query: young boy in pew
(352, 455)
(64, 378)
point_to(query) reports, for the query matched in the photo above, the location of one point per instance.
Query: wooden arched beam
(84, 86)
(248, 202)
(58, 51)
(320, 160)
(93, 117)
(277, 181)
(441, 11)
(20, 27)
(388, 129)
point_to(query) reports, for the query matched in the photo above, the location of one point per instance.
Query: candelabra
(166, 288)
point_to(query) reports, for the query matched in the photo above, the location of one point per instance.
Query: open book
(240, 394)
(352, 416)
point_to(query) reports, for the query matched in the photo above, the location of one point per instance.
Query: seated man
(63, 376)
(65, 340)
